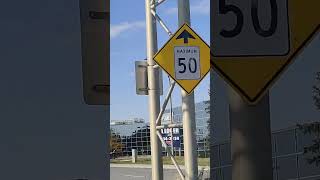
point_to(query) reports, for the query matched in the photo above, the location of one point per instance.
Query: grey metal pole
(154, 94)
(188, 111)
(251, 147)
(171, 121)
(211, 128)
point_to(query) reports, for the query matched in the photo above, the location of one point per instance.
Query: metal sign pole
(188, 111)
(251, 148)
(153, 91)
(171, 121)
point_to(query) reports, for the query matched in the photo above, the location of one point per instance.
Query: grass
(166, 160)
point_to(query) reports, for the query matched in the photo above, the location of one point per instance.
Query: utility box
(134, 155)
(141, 70)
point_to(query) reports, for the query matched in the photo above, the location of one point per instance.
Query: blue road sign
(166, 134)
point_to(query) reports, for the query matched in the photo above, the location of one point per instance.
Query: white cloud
(117, 29)
(172, 10)
(202, 7)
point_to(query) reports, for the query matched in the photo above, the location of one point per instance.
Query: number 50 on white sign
(250, 27)
(187, 62)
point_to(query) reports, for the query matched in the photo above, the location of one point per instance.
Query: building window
(287, 167)
(285, 143)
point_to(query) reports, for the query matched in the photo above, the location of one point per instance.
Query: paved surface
(120, 173)
(141, 172)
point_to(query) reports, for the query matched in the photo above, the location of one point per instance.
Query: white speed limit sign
(187, 62)
(250, 27)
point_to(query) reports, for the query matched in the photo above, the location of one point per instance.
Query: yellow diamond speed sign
(185, 57)
(255, 41)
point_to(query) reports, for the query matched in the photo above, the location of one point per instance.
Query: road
(122, 173)
(142, 173)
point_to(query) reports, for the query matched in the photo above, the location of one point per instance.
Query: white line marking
(127, 175)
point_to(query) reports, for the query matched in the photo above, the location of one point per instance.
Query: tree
(207, 109)
(312, 152)
(316, 92)
(115, 143)
(209, 121)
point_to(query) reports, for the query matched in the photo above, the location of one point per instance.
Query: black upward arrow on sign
(185, 35)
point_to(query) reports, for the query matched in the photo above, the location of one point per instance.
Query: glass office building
(202, 131)
(131, 134)
(135, 134)
(289, 163)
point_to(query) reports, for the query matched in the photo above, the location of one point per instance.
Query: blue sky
(128, 44)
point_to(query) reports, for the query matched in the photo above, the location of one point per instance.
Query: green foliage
(115, 144)
(207, 109)
(310, 128)
(316, 92)
(209, 121)
(312, 152)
